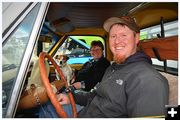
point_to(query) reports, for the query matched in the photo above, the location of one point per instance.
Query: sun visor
(63, 25)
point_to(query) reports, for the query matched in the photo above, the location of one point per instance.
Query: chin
(119, 58)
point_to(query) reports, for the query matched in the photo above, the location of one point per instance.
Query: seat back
(173, 88)
(35, 77)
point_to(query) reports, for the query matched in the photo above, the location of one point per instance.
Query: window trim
(11, 109)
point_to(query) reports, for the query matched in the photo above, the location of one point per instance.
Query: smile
(119, 48)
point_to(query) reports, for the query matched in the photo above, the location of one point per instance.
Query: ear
(67, 58)
(137, 37)
(56, 56)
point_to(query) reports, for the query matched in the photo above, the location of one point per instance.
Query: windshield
(77, 48)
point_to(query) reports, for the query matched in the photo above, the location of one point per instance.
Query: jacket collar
(138, 56)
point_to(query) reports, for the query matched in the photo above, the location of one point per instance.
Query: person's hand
(77, 85)
(63, 99)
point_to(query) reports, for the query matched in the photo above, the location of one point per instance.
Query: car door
(21, 27)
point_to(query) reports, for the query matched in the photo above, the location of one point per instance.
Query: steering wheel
(49, 89)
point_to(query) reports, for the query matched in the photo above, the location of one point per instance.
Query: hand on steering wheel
(48, 87)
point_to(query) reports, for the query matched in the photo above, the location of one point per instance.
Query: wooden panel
(161, 48)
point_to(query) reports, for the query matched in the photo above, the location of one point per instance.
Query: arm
(80, 98)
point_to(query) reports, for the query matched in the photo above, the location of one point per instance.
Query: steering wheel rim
(49, 89)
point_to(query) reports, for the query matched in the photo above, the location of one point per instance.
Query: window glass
(170, 28)
(172, 65)
(13, 52)
(77, 48)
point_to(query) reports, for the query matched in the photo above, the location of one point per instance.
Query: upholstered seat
(173, 88)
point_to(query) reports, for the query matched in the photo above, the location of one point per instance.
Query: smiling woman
(65, 28)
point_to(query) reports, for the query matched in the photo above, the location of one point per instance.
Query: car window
(170, 29)
(12, 53)
(77, 48)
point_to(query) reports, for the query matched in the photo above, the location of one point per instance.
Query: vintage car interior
(64, 27)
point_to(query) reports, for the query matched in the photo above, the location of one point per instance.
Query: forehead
(119, 27)
(95, 46)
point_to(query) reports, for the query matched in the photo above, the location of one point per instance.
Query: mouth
(119, 48)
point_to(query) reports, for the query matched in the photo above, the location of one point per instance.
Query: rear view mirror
(45, 38)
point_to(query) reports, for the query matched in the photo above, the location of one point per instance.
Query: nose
(118, 39)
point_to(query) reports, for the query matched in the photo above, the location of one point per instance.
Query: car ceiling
(66, 16)
(83, 15)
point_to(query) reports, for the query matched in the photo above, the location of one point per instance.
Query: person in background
(92, 71)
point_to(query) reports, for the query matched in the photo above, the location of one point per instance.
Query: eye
(113, 36)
